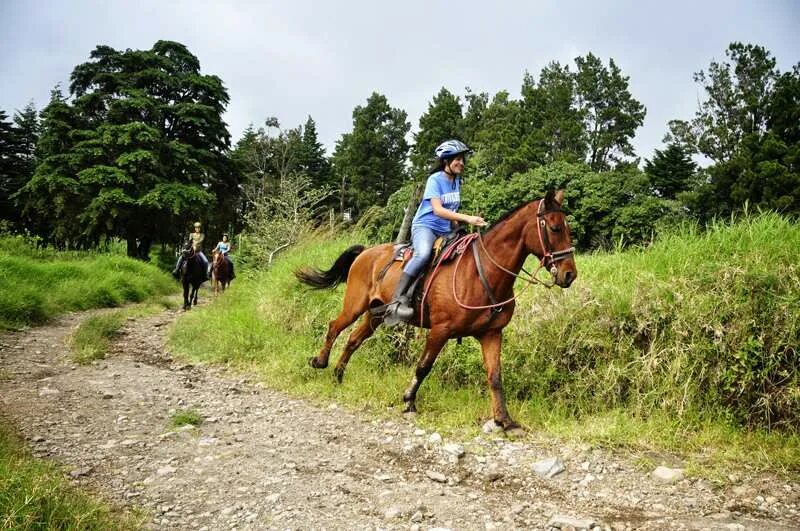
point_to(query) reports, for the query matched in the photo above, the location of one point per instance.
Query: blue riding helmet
(450, 148)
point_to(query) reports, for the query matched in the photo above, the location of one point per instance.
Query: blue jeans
(422, 239)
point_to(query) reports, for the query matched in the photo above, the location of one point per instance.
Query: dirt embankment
(262, 460)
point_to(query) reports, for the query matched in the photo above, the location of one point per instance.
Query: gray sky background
(299, 58)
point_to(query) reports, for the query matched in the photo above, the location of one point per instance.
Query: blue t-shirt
(449, 193)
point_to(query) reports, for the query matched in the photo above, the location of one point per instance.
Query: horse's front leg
(433, 345)
(491, 343)
(186, 304)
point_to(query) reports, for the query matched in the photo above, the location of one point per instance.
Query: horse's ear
(559, 198)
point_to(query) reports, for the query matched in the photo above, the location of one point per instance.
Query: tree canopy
(369, 162)
(137, 152)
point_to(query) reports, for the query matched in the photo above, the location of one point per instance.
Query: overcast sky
(297, 58)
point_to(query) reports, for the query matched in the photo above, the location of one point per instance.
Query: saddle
(445, 248)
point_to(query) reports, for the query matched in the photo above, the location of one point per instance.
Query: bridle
(549, 260)
(549, 257)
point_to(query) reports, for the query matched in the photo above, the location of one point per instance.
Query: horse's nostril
(568, 276)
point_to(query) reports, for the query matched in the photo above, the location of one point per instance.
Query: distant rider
(196, 239)
(224, 247)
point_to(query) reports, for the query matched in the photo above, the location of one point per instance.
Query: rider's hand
(477, 221)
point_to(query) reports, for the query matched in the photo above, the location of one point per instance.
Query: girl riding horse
(437, 211)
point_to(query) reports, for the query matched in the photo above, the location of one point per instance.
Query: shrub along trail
(262, 460)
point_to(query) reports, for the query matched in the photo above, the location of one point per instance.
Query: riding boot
(399, 308)
(177, 271)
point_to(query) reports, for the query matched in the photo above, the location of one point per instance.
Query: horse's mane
(510, 213)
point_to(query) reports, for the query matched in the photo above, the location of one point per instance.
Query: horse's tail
(337, 273)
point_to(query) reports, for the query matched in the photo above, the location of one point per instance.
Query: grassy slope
(37, 285)
(689, 345)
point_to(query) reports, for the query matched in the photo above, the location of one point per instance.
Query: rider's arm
(446, 213)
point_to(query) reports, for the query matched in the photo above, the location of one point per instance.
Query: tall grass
(37, 284)
(689, 343)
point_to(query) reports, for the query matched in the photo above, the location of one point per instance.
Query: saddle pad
(443, 250)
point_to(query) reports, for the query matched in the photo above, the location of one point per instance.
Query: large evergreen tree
(138, 153)
(50, 202)
(12, 168)
(610, 113)
(312, 159)
(442, 121)
(499, 138)
(17, 160)
(747, 124)
(474, 115)
(555, 127)
(369, 162)
(26, 123)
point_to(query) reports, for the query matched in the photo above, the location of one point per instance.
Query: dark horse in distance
(453, 305)
(193, 273)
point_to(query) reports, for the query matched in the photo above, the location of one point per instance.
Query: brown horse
(457, 302)
(220, 272)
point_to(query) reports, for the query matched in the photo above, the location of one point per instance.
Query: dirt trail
(261, 460)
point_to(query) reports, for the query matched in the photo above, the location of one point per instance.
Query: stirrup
(397, 311)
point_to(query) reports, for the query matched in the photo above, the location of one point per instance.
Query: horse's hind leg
(433, 345)
(353, 308)
(365, 329)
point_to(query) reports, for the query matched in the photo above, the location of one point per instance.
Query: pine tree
(27, 125)
(370, 161)
(610, 113)
(555, 129)
(11, 169)
(312, 157)
(138, 153)
(442, 121)
(670, 171)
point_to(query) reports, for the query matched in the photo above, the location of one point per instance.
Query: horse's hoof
(339, 373)
(314, 363)
(512, 429)
(411, 408)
